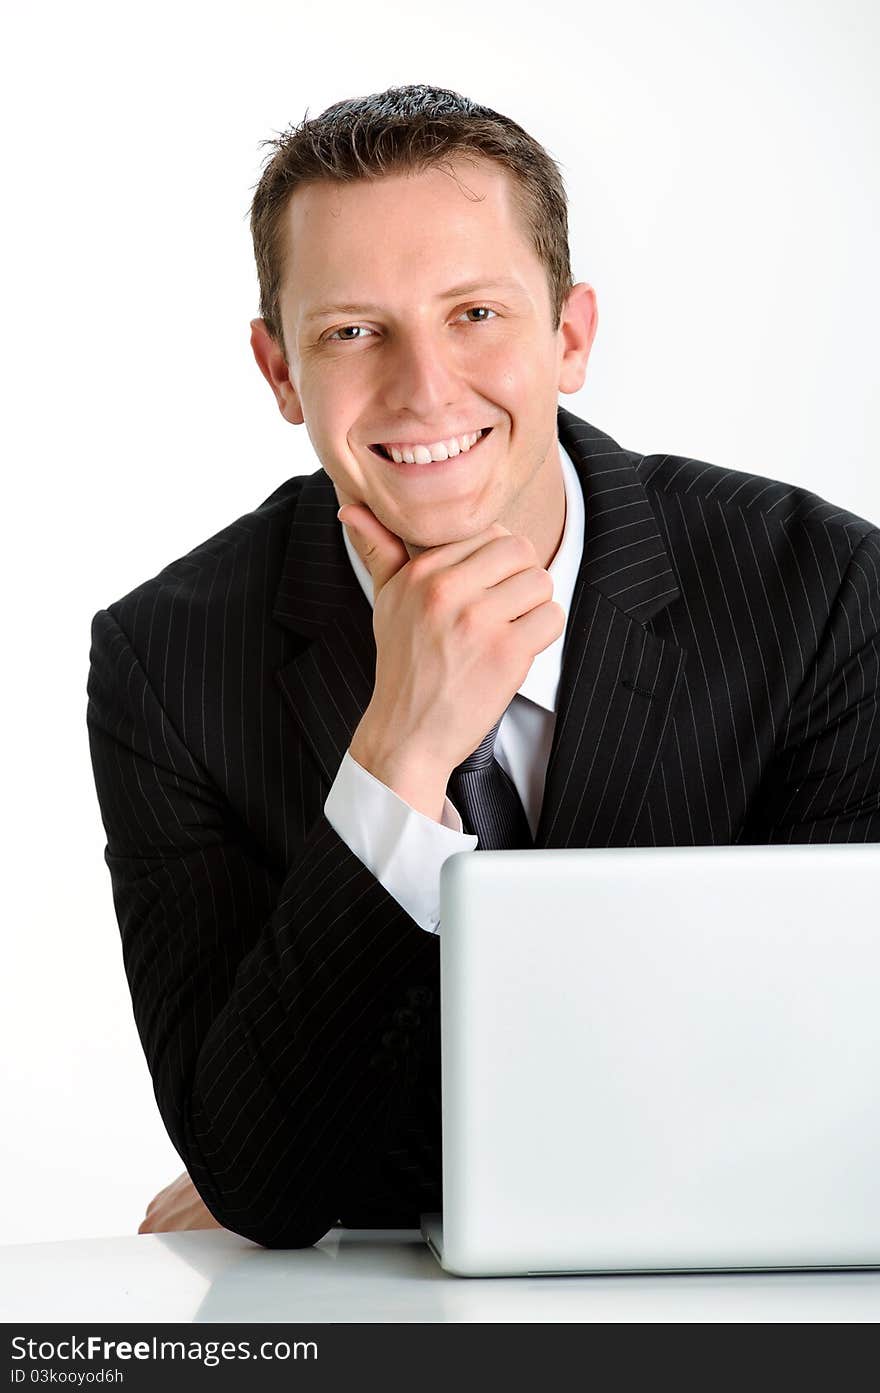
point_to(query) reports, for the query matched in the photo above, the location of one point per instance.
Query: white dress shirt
(402, 847)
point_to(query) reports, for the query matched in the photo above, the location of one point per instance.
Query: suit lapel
(329, 683)
(618, 680)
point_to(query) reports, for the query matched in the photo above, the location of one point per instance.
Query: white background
(722, 167)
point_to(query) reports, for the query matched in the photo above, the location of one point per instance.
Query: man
(671, 653)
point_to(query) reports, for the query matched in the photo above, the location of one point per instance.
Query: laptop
(660, 1060)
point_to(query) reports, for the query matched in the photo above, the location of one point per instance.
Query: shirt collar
(542, 679)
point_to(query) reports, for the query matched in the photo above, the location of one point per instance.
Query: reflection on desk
(376, 1275)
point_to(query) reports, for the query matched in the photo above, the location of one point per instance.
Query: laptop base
(432, 1232)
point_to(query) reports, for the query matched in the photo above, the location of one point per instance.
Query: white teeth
(443, 449)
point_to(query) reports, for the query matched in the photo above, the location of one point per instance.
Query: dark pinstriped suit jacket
(720, 683)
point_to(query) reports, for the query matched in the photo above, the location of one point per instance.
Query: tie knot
(485, 752)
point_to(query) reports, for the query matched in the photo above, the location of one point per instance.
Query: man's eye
(343, 330)
(475, 309)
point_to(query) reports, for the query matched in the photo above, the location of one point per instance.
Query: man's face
(414, 313)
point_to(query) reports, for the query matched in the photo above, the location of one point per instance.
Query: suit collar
(625, 557)
(619, 682)
(329, 683)
(317, 586)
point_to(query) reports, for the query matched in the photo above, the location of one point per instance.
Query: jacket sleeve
(824, 784)
(276, 1011)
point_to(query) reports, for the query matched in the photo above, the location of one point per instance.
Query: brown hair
(403, 129)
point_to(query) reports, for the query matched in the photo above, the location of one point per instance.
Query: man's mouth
(384, 452)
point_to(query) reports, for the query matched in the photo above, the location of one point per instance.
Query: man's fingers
(483, 562)
(384, 554)
(519, 592)
(381, 551)
(178, 1206)
(451, 553)
(542, 625)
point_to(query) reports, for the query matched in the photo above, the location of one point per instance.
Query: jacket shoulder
(253, 544)
(671, 480)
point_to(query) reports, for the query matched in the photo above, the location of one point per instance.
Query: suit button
(396, 1040)
(406, 1017)
(383, 1062)
(420, 996)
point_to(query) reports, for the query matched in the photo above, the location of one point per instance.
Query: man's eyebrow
(502, 283)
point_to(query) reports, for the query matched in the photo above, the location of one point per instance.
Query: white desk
(372, 1275)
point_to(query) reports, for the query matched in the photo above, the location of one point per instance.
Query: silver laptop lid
(660, 1058)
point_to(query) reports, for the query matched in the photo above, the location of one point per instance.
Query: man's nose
(423, 376)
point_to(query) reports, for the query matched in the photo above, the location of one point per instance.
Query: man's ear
(577, 329)
(273, 365)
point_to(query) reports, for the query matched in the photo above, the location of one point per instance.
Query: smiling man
(448, 362)
(480, 623)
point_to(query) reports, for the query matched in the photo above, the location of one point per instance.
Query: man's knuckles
(473, 623)
(438, 591)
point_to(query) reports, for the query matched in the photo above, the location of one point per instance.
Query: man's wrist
(416, 780)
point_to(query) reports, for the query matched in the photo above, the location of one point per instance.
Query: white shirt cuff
(403, 848)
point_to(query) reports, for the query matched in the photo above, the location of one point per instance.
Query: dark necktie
(487, 800)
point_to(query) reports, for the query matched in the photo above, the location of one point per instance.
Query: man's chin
(415, 546)
(414, 549)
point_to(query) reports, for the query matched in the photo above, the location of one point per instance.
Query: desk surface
(373, 1276)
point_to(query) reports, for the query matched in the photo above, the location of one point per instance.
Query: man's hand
(178, 1206)
(457, 629)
